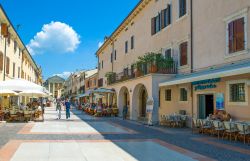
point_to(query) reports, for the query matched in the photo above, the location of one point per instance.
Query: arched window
(1, 61)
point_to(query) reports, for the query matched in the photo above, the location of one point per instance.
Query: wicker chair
(13, 115)
(218, 128)
(230, 130)
(27, 115)
(196, 126)
(205, 126)
(244, 131)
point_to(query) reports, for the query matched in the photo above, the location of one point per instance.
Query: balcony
(144, 69)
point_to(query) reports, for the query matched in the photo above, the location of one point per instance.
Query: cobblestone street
(87, 138)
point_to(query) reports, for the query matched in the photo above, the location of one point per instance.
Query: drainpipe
(191, 55)
(4, 62)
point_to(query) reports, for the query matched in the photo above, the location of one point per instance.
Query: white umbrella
(34, 93)
(6, 92)
(20, 85)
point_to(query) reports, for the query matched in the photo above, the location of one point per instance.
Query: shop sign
(206, 84)
(220, 101)
(150, 105)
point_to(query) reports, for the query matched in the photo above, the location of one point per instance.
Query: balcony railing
(128, 74)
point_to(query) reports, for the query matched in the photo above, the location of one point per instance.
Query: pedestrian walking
(58, 109)
(124, 112)
(67, 105)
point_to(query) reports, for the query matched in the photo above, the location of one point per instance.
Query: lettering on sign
(206, 84)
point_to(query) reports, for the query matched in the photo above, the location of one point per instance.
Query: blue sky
(82, 24)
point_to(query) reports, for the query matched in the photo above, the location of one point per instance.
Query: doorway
(143, 103)
(205, 105)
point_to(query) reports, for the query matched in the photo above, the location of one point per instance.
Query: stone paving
(86, 138)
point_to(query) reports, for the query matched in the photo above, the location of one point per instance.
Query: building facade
(159, 27)
(15, 59)
(54, 85)
(220, 75)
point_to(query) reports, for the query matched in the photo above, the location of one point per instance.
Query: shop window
(168, 95)
(183, 53)
(182, 7)
(183, 94)
(237, 92)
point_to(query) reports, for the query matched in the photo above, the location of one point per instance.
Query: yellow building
(15, 60)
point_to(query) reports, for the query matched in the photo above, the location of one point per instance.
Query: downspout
(191, 55)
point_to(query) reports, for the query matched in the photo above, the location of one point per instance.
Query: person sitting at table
(22, 107)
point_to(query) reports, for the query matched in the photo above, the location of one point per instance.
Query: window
(168, 95)
(166, 17)
(15, 46)
(99, 66)
(183, 53)
(102, 64)
(7, 65)
(115, 55)
(14, 70)
(18, 72)
(168, 54)
(237, 92)
(156, 24)
(132, 42)
(126, 47)
(183, 94)
(1, 61)
(111, 57)
(236, 35)
(182, 7)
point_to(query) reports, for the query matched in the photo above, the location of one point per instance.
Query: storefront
(204, 93)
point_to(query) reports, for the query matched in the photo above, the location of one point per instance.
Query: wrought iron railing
(145, 69)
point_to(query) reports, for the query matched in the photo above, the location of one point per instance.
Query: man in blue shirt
(67, 104)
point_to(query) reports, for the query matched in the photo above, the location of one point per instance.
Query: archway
(124, 99)
(140, 96)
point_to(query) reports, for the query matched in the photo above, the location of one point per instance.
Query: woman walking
(67, 105)
(58, 109)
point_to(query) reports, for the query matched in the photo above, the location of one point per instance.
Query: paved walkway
(86, 138)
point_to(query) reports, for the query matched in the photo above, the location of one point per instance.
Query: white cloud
(100, 44)
(64, 75)
(55, 37)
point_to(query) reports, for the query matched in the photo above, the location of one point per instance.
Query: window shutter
(163, 16)
(239, 34)
(230, 37)
(1, 61)
(169, 14)
(183, 54)
(8, 66)
(4, 30)
(153, 26)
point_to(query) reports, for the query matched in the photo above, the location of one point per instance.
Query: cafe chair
(230, 130)
(218, 128)
(244, 131)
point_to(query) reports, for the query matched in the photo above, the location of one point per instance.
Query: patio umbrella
(32, 93)
(20, 85)
(6, 92)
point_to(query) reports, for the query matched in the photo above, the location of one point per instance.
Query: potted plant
(111, 77)
(138, 68)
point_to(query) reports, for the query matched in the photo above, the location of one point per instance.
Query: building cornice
(138, 8)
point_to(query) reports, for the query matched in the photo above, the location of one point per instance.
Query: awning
(85, 94)
(225, 71)
(103, 90)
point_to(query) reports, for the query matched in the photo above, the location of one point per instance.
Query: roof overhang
(204, 76)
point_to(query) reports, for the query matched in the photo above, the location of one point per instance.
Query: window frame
(165, 94)
(180, 94)
(246, 82)
(178, 10)
(240, 14)
(179, 48)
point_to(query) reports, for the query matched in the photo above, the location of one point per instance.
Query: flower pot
(138, 73)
